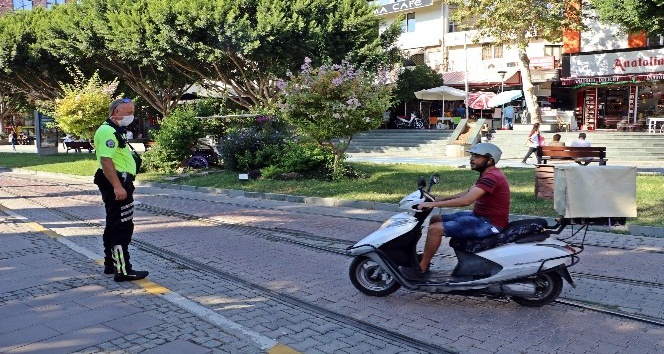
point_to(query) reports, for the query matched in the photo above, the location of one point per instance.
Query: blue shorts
(463, 224)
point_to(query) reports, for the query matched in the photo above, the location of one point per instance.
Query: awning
(614, 79)
(482, 77)
(441, 93)
(505, 97)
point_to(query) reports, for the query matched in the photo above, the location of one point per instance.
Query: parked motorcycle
(524, 262)
(413, 122)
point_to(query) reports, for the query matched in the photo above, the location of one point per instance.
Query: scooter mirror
(435, 179)
(421, 183)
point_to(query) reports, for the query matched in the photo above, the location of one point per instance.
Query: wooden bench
(544, 172)
(147, 145)
(580, 155)
(78, 146)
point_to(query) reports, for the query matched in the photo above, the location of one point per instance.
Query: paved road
(224, 278)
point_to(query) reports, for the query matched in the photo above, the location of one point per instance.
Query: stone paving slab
(87, 312)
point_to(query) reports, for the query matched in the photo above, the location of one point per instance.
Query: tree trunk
(528, 89)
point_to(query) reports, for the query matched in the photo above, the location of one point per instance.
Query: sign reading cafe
(402, 6)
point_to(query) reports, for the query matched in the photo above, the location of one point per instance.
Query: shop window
(409, 23)
(655, 40)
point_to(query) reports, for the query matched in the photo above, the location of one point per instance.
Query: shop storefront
(616, 90)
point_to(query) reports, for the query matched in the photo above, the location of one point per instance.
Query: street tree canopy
(516, 23)
(633, 15)
(241, 47)
(25, 67)
(120, 37)
(421, 77)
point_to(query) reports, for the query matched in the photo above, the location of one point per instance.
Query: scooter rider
(490, 215)
(115, 176)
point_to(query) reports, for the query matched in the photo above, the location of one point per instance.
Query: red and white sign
(613, 78)
(542, 63)
(617, 64)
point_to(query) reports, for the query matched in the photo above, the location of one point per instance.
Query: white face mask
(126, 120)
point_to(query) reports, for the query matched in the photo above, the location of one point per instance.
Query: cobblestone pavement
(301, 297)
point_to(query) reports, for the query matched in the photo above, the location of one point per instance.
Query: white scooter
(524, 262)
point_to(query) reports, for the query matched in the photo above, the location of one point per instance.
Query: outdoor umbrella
(505, 97)
(441, 93)
(479, 99)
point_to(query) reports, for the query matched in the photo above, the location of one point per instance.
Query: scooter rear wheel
(548, 287)
(368, 277)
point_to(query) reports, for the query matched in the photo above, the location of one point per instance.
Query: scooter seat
(528, 230)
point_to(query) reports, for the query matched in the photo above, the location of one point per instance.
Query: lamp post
(502, 88)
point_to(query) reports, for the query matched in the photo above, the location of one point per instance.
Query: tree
(10, 99)
(25, 67)
(122, 37)
(331, 103)
(633, 15)
(422, 77)
(241, 48)
(516, 23)
(83, 106)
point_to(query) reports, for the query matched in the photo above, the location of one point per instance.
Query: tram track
(338, 246)
(307, 212)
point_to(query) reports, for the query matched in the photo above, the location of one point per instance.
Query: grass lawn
(385, 183)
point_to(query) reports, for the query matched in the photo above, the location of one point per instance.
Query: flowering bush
(84, 105)
(333, 102)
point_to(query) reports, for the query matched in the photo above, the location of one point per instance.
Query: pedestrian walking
(533, 141)
(115, 177)
(12, 139)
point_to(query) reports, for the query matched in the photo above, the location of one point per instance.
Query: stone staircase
(620, 146)
(400, 141)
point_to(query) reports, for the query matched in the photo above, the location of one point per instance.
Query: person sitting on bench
(581, 141)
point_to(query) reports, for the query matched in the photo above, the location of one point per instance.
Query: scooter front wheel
(368, 277)
(548, 287)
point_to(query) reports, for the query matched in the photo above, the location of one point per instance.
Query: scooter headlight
(395, 223)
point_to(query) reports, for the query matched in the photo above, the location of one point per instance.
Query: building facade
(616, 79)
(15, 5)
(430, 37)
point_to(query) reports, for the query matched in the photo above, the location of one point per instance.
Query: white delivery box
(594, 191)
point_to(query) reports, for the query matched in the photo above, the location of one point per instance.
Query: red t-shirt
(495, 203)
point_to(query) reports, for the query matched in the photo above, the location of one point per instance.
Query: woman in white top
(533, 142)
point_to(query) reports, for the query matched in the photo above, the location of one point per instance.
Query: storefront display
(590, 109)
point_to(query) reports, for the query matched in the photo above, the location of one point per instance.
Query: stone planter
(457, 150)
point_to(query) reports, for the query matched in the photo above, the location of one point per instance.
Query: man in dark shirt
(490, 215)
(460, 111)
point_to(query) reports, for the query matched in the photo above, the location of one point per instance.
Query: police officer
(115, 176)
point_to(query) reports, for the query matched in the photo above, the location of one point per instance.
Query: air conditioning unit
(511, 64)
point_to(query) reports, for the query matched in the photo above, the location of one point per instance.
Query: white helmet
(488, 150)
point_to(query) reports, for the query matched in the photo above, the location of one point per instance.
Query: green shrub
(178, 133)
(254, 147)
(271, 172)
(308, 159)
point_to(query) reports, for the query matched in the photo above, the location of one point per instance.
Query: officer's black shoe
(131, 275)
(109, 270)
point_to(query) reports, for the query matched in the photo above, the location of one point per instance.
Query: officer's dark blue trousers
(119, 220)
